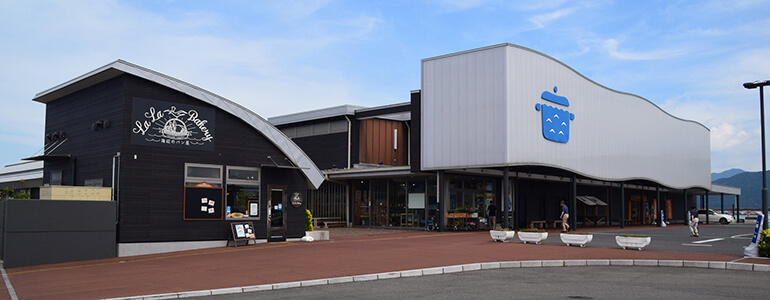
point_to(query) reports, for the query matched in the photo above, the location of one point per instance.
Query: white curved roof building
(528, 109)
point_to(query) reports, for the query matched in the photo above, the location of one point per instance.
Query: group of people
(564, 216)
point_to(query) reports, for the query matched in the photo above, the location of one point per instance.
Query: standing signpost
(753, 249)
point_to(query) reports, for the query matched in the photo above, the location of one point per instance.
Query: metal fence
(330, 203)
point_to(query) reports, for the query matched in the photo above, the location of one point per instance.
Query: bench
(540, 224)
(329, 221)
(555, 222)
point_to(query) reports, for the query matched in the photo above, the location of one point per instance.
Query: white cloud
(541, 21)
(611, 46)
(292, 9)
(459, 5)
(531, 5)
(727, 136)
(359, 28)
(264, 72)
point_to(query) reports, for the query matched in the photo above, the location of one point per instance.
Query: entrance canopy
(591, 201)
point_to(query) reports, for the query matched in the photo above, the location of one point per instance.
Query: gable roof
(120, 67)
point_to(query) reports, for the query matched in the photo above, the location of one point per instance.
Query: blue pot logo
(555, 120)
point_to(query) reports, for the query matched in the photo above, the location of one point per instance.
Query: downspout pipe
(350, 143)
(408, 143)
(116, 197)
(74, 161)
(115, 183)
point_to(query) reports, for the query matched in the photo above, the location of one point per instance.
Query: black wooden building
(183, 163)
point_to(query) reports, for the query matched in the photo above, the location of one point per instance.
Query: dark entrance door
(276, 219)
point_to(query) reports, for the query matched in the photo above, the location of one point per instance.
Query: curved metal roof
(119, 67)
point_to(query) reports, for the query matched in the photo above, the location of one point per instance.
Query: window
(243, 193)
(197, 173)
(55, 177)
(242, 174)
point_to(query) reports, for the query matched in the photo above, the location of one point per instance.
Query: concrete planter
(576, 239)
(502, 236)
(532, 237)
(320, 235)
(632, 241)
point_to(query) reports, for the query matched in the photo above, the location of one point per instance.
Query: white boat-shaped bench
(576, 239)
(502, 235)
(532, 237)
(637, 242)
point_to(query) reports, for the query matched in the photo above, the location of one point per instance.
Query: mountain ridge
(726, 174)
(750, 184)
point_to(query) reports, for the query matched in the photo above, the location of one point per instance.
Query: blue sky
(279, 57)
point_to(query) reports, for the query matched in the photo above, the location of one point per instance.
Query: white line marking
(740, 235)
(699, 245)
(708, 241)
(8, 284)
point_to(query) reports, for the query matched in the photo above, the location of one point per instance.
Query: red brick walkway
(365, 252)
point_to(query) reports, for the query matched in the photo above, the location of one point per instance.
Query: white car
(714, 217)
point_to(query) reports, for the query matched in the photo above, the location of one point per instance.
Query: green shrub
(6, 193)
(764, 243)
(308, 221)
(531, 230)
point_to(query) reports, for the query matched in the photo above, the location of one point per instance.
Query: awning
(591, 201)
(49, 157)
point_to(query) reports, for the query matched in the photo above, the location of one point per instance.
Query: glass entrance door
(276, 219)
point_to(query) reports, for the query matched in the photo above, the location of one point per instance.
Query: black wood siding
(416, 132)
(93, 150)
(152, 178)
(326, 151)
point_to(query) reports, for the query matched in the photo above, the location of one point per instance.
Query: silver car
(714, 216)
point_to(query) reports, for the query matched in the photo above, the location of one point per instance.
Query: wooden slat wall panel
(377, 140)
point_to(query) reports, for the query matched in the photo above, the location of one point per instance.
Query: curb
(721, 265)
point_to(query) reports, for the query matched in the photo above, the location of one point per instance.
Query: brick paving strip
(345, 258)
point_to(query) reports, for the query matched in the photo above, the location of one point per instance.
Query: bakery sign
(176, 125)
(296, 199)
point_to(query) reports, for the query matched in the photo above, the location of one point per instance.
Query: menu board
(243, 231)
(203, 202)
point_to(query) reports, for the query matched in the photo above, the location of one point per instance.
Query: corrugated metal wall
(479, 110)
(463, 113)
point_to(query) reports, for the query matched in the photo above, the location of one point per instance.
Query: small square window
(56, 177)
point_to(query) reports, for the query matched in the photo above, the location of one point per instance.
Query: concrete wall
(38, 232)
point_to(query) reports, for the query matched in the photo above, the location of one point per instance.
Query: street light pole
(761, 85)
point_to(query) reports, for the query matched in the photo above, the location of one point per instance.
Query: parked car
(714, 216)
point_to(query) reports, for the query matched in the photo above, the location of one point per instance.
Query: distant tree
(6, 193)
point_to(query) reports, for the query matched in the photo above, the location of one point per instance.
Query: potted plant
(575, 238)
(532, 235)
(633, 241)
(502, 234)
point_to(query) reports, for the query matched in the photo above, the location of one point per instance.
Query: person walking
(694, 221)
(564, 217)
(492, 214)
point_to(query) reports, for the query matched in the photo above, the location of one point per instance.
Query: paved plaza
(361, 254)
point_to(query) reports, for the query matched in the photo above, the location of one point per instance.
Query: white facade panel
(614, 136)
(463, 109)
